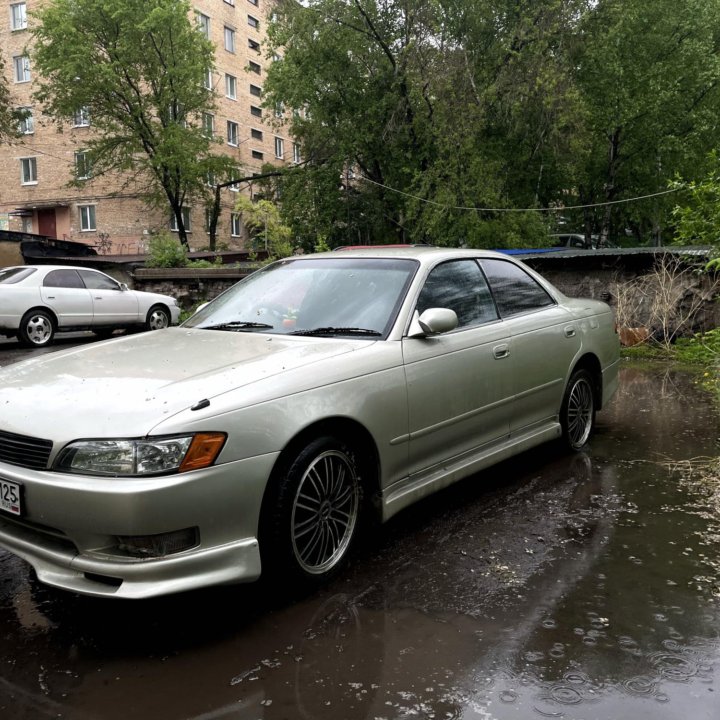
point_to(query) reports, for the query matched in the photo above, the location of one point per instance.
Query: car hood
(125, 387)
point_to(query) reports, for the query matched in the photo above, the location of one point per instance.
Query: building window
(81, 118)
(230, 2)
(229, 39)
(28, 171)
(82, 165)
(255, 90)
(208, 80)
(211, 178)
(296, 152)
(279, 148)
(235, 175)
(233, 133)
(279, 110)
(255, 111)
(231, 87)
(21, 68)
(185, 218)
(256, 134)
(253, 2)
(18, 16)
(253, 22)
(26, 124)
(203, 22)
(254, 67)
(235, 225)
(254, 45)
(257, 155)
(87, 218)
(208, 124)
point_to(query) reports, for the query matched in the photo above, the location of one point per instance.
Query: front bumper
(69, 530)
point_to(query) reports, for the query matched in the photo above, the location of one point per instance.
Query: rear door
(65, 293)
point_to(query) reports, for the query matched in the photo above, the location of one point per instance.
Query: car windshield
(321, 297)
(10, 276)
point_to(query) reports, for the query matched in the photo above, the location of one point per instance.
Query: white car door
(65, 293)
(112, 305)
(459, 383)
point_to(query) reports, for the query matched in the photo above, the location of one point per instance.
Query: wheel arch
(45, 309)
(349, 431)
(591, 363)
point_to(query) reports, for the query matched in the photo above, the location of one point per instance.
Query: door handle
(501, 351)
(569, 331)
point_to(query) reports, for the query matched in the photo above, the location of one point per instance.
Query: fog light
(159, 545)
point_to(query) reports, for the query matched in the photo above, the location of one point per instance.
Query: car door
(111, 304)
(64, 292)
(545, 340)
(459, 389)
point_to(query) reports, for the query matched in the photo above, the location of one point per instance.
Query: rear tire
(37, 329)
(577, 413)
(311, 514)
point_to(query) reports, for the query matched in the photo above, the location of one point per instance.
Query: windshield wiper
(337, 331)
(239, 325)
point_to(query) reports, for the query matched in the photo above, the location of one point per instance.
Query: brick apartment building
(35, 170)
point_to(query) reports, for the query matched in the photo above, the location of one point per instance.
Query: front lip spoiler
(58, 565)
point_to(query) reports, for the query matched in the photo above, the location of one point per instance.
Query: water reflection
(552, 586)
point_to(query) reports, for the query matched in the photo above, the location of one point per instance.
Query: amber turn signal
(203, 450)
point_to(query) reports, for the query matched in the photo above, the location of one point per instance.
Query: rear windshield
(8, 276)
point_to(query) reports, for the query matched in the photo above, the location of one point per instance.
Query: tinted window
(8, 276)
(63, 279)
(515, 290)
(460, 286)
(98, 281)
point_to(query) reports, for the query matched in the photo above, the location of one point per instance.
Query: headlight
(147, 456)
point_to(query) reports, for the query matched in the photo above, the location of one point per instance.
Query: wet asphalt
(579, 586)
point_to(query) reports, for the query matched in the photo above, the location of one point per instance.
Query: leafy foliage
(138, 67)
(263, 221)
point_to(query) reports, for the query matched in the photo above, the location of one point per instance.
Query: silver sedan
(313, 395)
(38, 301)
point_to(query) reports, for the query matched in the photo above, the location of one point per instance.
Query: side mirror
(201, 307)
(433, 321)
(123, 287)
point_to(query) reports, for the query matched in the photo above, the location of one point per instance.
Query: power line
(516, 210)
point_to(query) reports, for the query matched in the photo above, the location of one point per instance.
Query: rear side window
(460, 286)
(10, 276)
(515, 290)
(63, 279)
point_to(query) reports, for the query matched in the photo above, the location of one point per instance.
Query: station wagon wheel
(158, 318)
(313, 515)
(37, 328)
(577, 415)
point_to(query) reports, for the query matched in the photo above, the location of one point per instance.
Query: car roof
(425, 254)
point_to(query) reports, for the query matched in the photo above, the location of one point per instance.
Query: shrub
(165, 251)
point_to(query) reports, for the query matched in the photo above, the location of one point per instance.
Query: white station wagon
(38, 301)
(315, 393)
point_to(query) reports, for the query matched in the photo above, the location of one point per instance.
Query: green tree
(9, 116)
(139, 68)
(264, 223)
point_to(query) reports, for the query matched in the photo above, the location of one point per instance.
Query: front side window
(87, 218)
(18, 16)
(82, 165)
(459, 285)
(21, 68)
(233, 132)
(28, 171)
(97, 281)
(515, 290)
(10, 276)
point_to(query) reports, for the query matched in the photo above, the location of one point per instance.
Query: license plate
(10, 497)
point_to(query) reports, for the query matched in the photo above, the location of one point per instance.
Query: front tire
(158, 318)
(577, 414)
(37, 329)
(312, 513)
